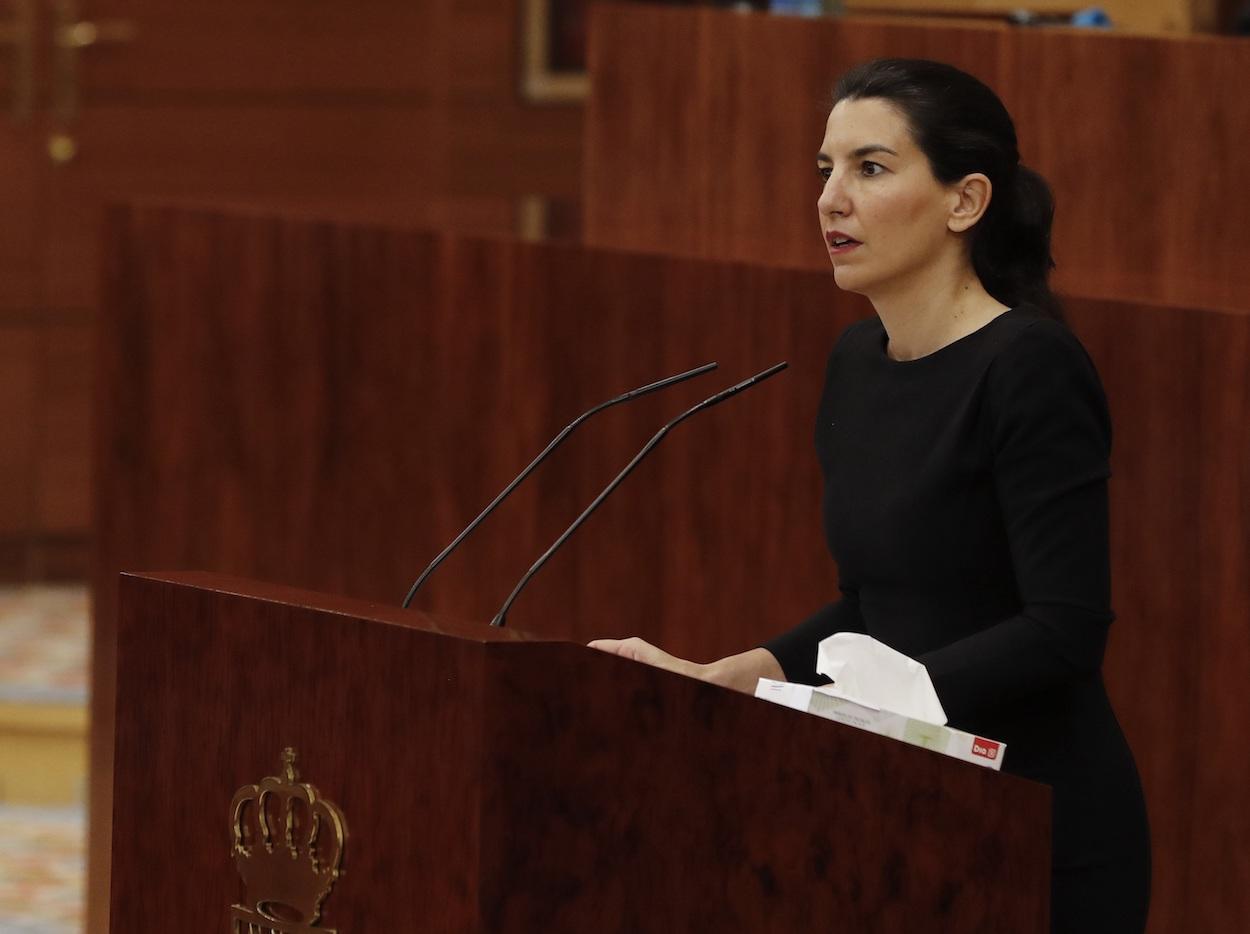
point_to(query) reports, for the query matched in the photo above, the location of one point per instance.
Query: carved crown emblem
(288, 847)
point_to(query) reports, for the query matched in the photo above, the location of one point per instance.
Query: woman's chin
(847, 280)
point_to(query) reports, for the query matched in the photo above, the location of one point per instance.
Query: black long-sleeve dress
(966, 507)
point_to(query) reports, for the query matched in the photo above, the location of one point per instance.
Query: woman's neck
(934, 310)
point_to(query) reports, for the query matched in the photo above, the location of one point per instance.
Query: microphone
(501, 616)
(555, 443)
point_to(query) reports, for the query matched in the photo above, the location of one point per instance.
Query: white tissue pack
(943, 739)
(883, 691)
(871, 673)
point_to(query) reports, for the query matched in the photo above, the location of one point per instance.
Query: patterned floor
(43, 643)
(43, 659)
(41, 870)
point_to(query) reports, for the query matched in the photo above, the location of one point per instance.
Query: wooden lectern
(493, 781)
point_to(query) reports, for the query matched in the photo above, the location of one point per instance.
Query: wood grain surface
(703, 125)
(397, 110)
(327, 404)
(492, 782)
(1156, 16)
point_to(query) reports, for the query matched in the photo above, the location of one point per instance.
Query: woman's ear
(970, 197)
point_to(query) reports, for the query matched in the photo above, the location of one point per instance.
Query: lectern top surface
(475, 630)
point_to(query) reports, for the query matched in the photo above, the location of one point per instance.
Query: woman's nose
(832, 198)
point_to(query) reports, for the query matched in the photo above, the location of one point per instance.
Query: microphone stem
(468, 529)
(501, 617)
(555, 443)
(606, 492)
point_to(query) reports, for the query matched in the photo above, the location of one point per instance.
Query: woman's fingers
(740, 672)
(605, 645)
(637, 649)
(640, 650)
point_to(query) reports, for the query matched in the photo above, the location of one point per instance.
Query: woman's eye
(824, 172)
(876, 166)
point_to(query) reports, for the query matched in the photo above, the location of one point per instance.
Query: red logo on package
(986, 748)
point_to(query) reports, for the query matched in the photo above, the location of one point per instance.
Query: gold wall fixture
(19, 34)
(70, 35)
(542, 78)
(288, 848)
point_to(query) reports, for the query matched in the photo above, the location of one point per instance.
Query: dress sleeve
(795, 650)
(1047, 426)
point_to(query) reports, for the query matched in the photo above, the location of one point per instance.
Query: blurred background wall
(391, 110)
(462, 114)
(469, 116)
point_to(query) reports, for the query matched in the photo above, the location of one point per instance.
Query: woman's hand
(740, 672)
(640, 650)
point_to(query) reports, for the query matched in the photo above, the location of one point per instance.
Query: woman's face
(879, 191)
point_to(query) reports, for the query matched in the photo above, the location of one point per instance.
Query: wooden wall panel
(1223, 588)
(702, 129)
(20, 371)
(326, 404)
(445, 347)
(64, 437)
(1155, 657)
(408, 111)
(44, 440)
(1177, 16)
(400, 111)
(19, 209)
(19, 379)
(240, 48)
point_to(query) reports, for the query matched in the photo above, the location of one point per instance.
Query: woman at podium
(964, 439)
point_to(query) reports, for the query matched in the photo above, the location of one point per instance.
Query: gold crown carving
(288, 847)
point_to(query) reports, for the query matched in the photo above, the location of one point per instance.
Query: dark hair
(962, 127)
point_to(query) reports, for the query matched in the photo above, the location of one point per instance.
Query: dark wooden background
(326, 404)
(703, 126)
(393, 109)
(410, 111)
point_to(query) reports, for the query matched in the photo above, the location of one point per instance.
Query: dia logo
(986, 748)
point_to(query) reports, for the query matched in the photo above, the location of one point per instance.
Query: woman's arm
(1050, 435)
(795, 650)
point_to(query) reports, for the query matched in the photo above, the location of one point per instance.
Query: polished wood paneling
(273, 48)
(1223, 589)
(327, 404)
(300, 156)
(19, 209)
(19, 379)
(1179, 386)
(64, 436)
(20, 370)
(1176, 16)
(478, 348)
(45, 371)
(381, 717)
(1155, 657)
(401, 111)
(495, 783)
(373, 161)
(703, 126)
